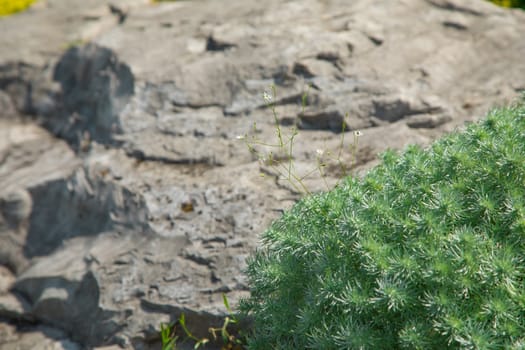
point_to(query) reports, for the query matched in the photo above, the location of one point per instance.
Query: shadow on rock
(95, 88)
(68, 208)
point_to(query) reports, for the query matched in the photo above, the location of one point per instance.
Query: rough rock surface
(126, 196)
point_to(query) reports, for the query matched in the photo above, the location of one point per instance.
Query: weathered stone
(29, 88)
(15, 209)
(23, 338)
(14, 308)
(6, 280)
(16, 206)
(154, 203)
(95, 89)
(6, 105)
(325, 120)
(428, 120)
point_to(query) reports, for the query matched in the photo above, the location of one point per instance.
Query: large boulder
(126, 196)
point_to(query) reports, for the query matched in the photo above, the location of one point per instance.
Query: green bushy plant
(425, 252)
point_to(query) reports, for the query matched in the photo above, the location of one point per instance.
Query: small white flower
(358, 133)
(267, 96)
(240, 137)
(319, 152)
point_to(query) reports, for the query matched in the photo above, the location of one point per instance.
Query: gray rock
(6, 105)
(141, 201)
(324, 120)
(95, 89)
(16, 206)
(15, 209)
(29, 157)
(6, 280)
(428, 120)
(17, 338)
(28, 90)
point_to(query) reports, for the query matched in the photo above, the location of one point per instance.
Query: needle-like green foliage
(425, 252)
